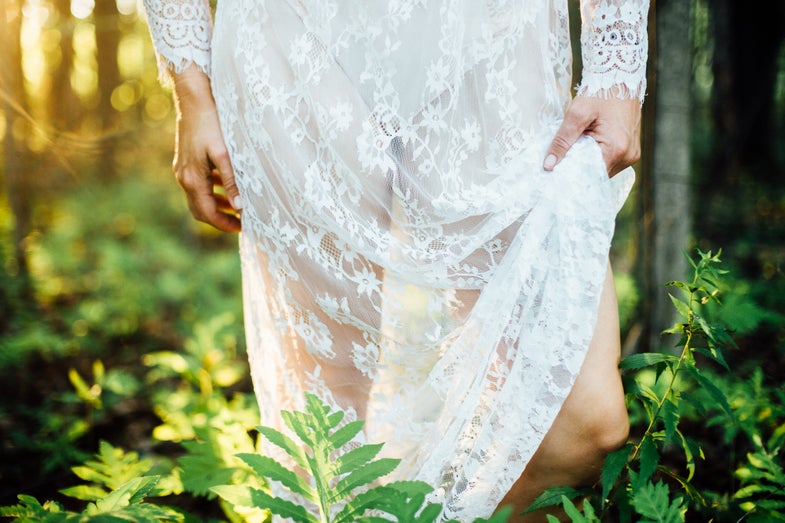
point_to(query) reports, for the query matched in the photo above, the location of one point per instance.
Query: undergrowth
(224, 460)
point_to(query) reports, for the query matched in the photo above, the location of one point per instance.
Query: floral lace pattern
(405, 257)
(614, 48)
(182, 31)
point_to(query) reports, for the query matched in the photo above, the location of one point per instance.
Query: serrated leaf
(771, 504)
(647, 392)
(645, 359)
(271, 469)
(345, 434)
(679, 284)
(84, 492)
(363, 476)
(571, 510)
(89, 474)
(670, 419)
(611, 470)
(688, 487)
(389, 501)
(715, 355)
(411, 488)
(285, 443)
(751, 490)
(355, 458)
(201, 472)
(239, 495)
(281, 507)
(653, 501)
(714, 391)
(649, 459)
(682, 307)
(298, 422)
(130, 492)
(552, 497)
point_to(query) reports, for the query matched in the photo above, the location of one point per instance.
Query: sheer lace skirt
(405, 257)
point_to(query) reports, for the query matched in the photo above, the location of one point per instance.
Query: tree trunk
(63, 103)
(667, 208)
(107, 36)
(15, 152)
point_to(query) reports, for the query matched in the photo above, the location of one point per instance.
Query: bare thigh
(592, 422)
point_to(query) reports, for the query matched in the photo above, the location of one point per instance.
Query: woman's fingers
(206, 204)
(223, 166)
(613, 123)
(573, 126)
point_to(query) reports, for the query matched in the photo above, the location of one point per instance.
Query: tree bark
(667, 208)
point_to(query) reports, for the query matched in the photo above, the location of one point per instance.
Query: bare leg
(592, 422)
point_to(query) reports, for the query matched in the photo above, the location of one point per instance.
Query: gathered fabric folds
(405, 256)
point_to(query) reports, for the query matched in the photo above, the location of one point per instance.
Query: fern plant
(342, 486)
(660, 391)
(125, 503)
(762, 495)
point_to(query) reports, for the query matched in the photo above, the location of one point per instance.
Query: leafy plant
(125, 503)
(762, 495)
(661, 391)
(339, 484)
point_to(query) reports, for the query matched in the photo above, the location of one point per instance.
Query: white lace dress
(405, 257)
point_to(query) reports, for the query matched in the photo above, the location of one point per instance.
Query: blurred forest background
(113, 300)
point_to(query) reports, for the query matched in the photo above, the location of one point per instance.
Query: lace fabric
(182, 31)
(405, 257)
(614, 47)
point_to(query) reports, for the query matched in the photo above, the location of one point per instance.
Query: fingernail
(237, 203)
(550, 162)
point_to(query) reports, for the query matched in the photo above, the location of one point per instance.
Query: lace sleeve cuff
(181, 31)
(614, 46)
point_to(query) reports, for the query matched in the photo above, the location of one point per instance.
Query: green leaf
(271, 469)
(281, 507)
(363, 476)
(682, 307)
(130, 492)
(355, 508)
(552, 497)
(345, 434)
(238, 495)
(611, 470)
(299, 423)
(285, 443)
(500, 516)
(679, 284)
(712, 389)
(670, 418)
(714, 354)
(688, 487)
(84, 492)
(649, 458)
(652, 501)
(645, 359)
(411, 488)
(573, 512)
(356, 458)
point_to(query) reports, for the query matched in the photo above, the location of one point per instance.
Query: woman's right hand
(201, 162)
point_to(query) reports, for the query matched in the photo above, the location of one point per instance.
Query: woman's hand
(201, 162)
(614, 123)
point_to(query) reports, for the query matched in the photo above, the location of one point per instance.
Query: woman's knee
(610, 431)
(597, 415)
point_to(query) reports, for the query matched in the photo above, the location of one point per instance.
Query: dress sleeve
(182, 31)
(614, 47)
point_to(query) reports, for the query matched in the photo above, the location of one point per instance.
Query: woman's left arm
(614, 46)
